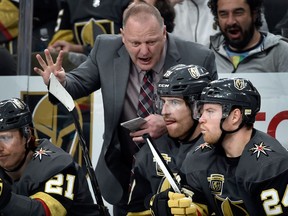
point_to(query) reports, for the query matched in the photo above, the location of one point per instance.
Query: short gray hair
(144, 8)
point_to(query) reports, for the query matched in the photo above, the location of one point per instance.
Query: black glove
(159, 204)
(5, 193)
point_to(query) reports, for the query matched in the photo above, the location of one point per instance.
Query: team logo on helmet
(239, 84)
(194, 72)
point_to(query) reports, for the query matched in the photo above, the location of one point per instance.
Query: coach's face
(144, 40)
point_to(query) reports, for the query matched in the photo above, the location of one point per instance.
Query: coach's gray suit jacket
(107, 67)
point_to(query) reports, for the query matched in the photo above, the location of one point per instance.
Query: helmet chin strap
(190, 132)
(22, 162)
(224, 132)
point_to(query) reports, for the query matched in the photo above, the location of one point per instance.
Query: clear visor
(6, 137)
(170, 103)
(198, 109)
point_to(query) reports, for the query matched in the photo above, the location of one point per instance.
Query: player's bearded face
(211, 115)
(177, 116)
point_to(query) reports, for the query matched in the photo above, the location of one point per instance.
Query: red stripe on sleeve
(5, 32)
(46, 209)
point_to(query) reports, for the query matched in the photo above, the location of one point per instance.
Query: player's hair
(255, 5)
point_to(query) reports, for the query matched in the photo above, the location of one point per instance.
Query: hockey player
(180, 86)
(36, 177)
(79, 22)
(246, 171)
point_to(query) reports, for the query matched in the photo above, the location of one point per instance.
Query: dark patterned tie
(145, 105)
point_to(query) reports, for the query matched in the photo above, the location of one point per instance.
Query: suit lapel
(122, 70)
(173, 56)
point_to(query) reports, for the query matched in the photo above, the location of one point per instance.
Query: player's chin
(210, 140)
(206, 137)
(203, 133)
(172, 132)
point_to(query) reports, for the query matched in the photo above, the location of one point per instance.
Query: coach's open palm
(49, 67)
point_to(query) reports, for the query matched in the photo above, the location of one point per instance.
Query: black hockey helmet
(14, 113)
(186, 81)
(231, 93)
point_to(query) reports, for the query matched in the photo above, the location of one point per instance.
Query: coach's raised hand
(49, 67)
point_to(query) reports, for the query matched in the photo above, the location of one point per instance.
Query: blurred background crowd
(72, 26)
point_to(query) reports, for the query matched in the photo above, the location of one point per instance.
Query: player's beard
(239, 44)
(212, 138)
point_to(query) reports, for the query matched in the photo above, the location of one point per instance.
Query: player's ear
(236, 116)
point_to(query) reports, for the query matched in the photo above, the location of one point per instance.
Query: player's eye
(6, 138)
